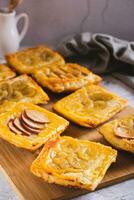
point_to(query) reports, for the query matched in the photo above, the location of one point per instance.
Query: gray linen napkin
(101, 53)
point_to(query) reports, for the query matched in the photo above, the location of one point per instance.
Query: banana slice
(17, 95)
(5, 91)
(19, 84)
(24, 88)
(3, 94)
(99, 96)
(28, 91)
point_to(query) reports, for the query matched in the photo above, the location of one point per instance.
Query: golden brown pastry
(67, 77)
(22, 89)
(120, 133)
(72, 162)
(6, 73)
(27, 60)
(6, 106)
(90, 105)
(30, 126)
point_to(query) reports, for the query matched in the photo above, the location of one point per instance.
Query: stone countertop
(121, 191)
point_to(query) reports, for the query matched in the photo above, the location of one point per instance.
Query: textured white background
(51, 20)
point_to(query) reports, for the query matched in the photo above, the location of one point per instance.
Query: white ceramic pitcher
(10, 38)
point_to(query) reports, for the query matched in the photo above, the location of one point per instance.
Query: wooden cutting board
(16, 162)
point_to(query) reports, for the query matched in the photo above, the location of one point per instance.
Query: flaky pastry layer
(6, 73)
(72, 162)
(51, 130)
(22, 89)
(90, 105)
(65, 77)
(108, 131)
(27, 60)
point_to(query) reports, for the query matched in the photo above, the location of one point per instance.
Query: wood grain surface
(16, 162)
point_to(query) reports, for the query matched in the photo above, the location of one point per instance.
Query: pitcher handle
(25, 26)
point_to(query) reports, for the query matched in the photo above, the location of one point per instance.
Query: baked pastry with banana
(22, 89)
(63, 78)
(6, 73)
(30, 126)
(27, 60)
(72, 162)
(120, 133)
(90, 106)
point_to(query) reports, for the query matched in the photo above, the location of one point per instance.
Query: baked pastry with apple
(29, 126)
(120, 133)
(65, 77)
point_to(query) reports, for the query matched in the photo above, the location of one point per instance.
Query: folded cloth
(129, 80)
(100, 52)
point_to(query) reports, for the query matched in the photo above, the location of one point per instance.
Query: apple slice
(13, 128)
(17, 124)
(124, 132)
(28, 128)
(30, 123)
(36, 116)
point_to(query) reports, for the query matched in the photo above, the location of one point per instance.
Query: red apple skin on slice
(30, 123)
(36, 116)
(17, 124)
(13, 128)
(124, 133)
(29, 129)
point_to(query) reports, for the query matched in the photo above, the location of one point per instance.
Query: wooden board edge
(101, 186)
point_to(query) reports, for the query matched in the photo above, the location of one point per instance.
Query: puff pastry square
(67, 77)
(22, 89)
(73, 162)
(90, 105)
(6, 73)
(27, 60)
(51, 130)
(120, 133)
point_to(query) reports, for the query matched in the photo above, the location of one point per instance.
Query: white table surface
(121, 191)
